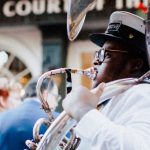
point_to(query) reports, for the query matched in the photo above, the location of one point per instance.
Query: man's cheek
(102, 68)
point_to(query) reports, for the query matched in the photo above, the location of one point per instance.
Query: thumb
(99, 89)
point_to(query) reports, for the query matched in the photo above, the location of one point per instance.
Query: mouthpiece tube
(90, 72)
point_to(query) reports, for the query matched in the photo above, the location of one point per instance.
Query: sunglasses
(102, 53)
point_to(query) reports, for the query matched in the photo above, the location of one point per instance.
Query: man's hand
(81, 100)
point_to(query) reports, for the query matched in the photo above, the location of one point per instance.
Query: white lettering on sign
(7, 9)
(39, 7)
(100, 5)
(119, 4)
(65, 5)
(53, 6)
(23, 8)
(132, 3)
(145, 2)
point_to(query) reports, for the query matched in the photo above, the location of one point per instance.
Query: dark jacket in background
(16, 125)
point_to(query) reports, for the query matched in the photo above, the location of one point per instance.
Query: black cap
(126, 27)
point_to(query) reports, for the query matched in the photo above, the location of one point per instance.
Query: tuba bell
(77, 10)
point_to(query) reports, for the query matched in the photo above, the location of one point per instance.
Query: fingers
(81, 100)
(99, 89)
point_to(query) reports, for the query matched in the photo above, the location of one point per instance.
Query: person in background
(15, 94)
(122, 122)
(16, 125)
(10, 94)
(4, 94)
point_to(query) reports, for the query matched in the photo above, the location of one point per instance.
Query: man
(122, 122)
(16, 125)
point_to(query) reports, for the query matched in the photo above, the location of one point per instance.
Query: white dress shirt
(122, 124)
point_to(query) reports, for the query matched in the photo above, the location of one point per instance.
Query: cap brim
(100, 38)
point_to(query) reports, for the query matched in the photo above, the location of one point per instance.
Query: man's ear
(136, 64)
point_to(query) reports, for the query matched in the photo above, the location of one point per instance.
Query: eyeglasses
(102, 53)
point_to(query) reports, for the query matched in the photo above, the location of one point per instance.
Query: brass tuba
(55, 136)
(77, 10)
(58, 128)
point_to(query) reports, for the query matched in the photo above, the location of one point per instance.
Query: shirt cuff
(91, 124)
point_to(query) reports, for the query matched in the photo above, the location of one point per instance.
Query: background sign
(19, 12)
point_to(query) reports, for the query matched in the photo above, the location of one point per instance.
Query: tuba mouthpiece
(90, 72)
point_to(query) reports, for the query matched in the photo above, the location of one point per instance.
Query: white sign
(39, 7)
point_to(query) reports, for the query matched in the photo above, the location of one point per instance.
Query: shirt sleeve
(102, 133)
